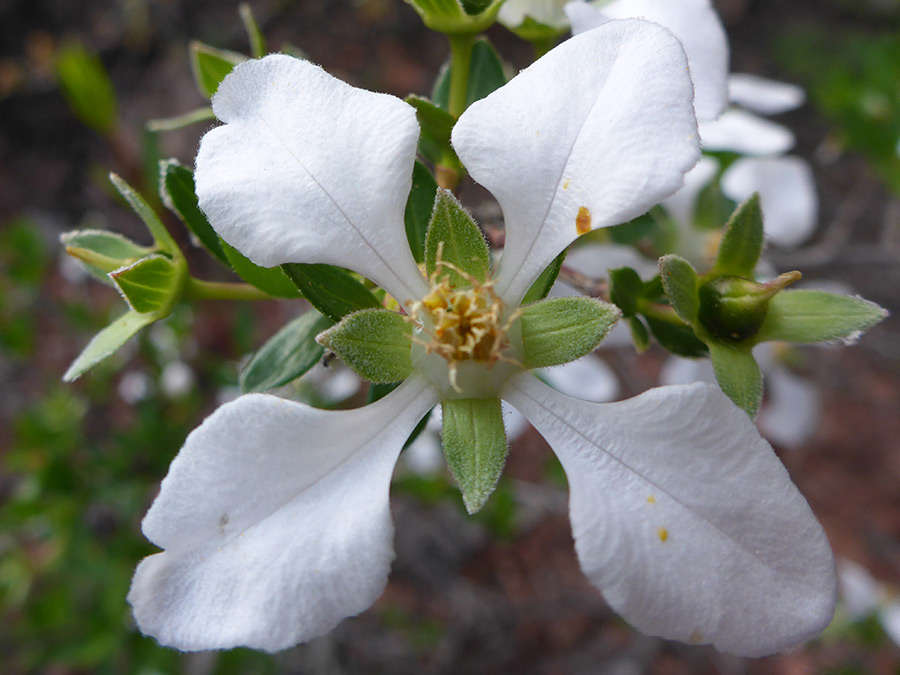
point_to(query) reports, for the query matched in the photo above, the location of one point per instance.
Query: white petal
(685, 519)
(766, 97)
(547, 12)
(792, 409)
(587, 378)
(679, 370)
(889, 615)
(740, 131)
(859, 590)
(275, 521)
(309, 169)
(595, 260)
(696, 24)
(682, 204)
(601, 125)
(584, 16)
(787, 193)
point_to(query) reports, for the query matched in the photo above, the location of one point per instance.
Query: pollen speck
(651, 499)
(583, 220)
(566, 184)
(696, 637)
(662, 533)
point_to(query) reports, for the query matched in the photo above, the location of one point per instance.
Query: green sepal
(679, 279)
(374, 343)
(742, 243)
(107, 341)
(560, 330)
(738, 375)
(475, 446)
(204, 114)
(331, 290)
(419, 207)
(486, 75)
(101, 251)
(287, 355)
(436, 124)
(639, 334)
(254, 34)
(151, 285)
(455, 17)
(625, 290)
(177, 191)
(677, 339)
(533, 30)
(139, 205)
(87, 88)
(454, 234)
(210, 66)
(807, 316)
(272, 280)
(542, 285)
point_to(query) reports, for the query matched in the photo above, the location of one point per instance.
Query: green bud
(733, 309)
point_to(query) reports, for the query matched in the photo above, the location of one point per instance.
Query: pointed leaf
(108, 341)
(100, 251)
(436, 124)
(738, 375)
(475, 446)
(272, 280)
(454, 235)
(210, 66)
(742, 243)
(419, 208)
(87, 87)
(639, 334)
(204, 114)
(287, 355)
(151, 284)
(254, 34)
(625, 289)
(680, 283)
(374, 343)
(564, 329)
(542, 285)
(816, 316)
(331, 290)
(140, 206)
(176, 188)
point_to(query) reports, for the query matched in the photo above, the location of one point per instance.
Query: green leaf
(210, 66)
(742, 242)
(87, 88)
(679, 340)
(151, 284)
(475, 446)
(331, 290)
(486, 75)
(254, 34)
(161, 236)
(680, 283)
(633, 231)
(542, 285)
(639, 334)
(816, 316)
(436, 125)
(419, 207)
(108, 341)
(737, 375)
(564, 329)
(454, 235)
(625, 290)
(102, 252)
(287, 355)
(272, 280)
(374, 343)
(176, 188)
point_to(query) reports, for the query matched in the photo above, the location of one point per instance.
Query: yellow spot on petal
(566, 184)
(696, 637)
(583, 220)
(662, 533)
(651, 499)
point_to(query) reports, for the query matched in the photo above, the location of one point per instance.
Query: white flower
(274, 517)
(694, 22)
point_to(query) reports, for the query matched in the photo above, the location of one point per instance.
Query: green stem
(197, 289)
(460, 62)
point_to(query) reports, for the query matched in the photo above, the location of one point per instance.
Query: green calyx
(560, 330)
(374, 343)
(457, 17)
(733, 309)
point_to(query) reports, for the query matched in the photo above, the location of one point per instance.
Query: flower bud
(733, 308)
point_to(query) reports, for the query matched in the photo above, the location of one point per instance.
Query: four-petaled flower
(275, 517)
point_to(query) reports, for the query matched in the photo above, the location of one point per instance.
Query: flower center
(462, 325)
